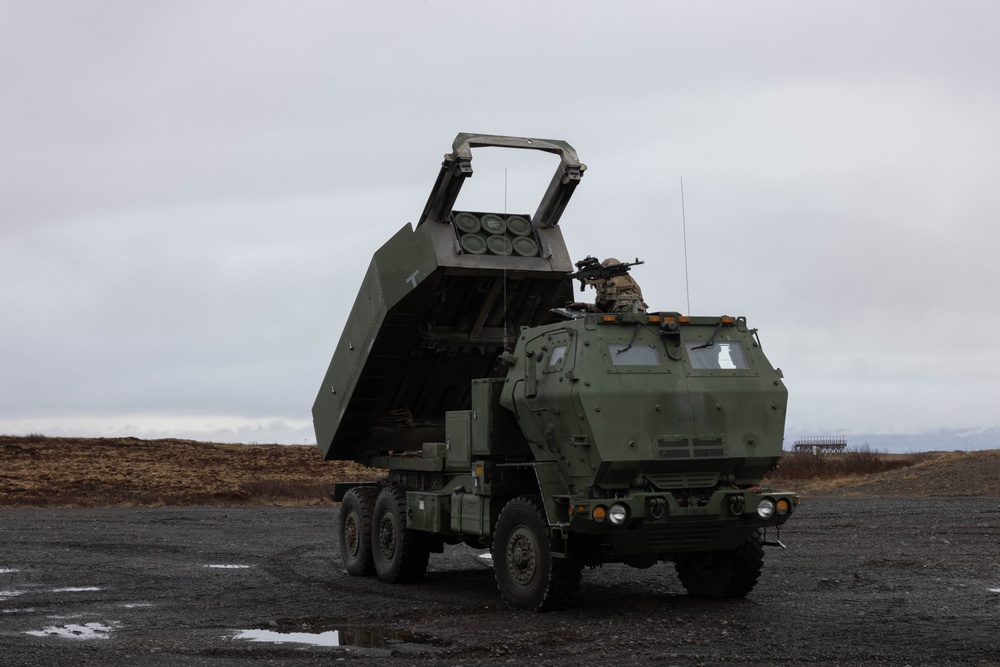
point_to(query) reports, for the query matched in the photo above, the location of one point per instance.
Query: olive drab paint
(559, 434)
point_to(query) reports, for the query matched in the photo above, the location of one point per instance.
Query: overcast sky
(190, 192)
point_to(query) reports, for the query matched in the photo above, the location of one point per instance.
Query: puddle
(331, 638)
(354, 637)
(73, 631)
(229, 567)
(384, 638)
(136, 605)
(993, 590)
(8, 570)
(23, 610)
(487, 556)
(8, 594)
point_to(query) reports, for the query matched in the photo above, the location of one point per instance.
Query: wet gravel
(864, 581)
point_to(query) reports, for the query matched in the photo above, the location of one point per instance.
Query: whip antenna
(505, 264)
(687, 286)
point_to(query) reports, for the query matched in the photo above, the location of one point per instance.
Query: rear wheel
(400, 555)
(356, 530)
(528, 575)
(724, 574)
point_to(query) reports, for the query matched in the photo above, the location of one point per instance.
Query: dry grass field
(36, 471)
(866, 472)
(122, 472)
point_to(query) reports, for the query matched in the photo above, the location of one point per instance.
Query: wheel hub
(352, 534)
(522, 557)
(705, 565)
(387, 537)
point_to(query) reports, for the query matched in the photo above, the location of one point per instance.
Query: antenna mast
(687, 286)
(505, 341)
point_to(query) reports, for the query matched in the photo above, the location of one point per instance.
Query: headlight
(765, 508)
(618, 514)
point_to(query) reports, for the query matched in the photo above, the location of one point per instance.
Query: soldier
(617, 294)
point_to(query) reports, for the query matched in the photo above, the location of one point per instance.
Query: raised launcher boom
(436, 307)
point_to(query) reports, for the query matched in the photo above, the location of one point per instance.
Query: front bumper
(660, 523)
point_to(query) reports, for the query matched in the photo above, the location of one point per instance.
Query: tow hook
(776, 542)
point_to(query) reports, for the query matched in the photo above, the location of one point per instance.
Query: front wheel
(724, 574)
(400, 554)
(527, 573)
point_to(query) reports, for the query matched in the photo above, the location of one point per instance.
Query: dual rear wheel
(374, 538)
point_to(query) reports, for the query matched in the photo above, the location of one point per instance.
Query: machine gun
(590, 269)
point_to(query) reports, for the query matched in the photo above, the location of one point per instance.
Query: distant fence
(820, 444)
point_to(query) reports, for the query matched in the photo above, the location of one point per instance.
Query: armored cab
(558, 435)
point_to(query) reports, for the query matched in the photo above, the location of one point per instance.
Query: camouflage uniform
(620, 294)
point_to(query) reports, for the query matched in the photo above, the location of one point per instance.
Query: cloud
(190, 193)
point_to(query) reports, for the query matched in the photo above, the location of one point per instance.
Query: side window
(559, 357)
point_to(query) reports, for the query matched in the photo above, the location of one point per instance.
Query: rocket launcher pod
(436, 306)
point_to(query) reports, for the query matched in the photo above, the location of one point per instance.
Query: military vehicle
(558, 435)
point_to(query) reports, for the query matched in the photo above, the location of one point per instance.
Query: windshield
(717, 355)
(633, 355)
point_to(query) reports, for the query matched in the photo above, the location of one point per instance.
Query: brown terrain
(36, 471)
(955, 473)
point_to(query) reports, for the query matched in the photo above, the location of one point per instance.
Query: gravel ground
(864, 581)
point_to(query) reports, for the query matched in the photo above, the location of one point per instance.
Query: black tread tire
(536, 580)
(356, 512)
(724, 574)
(400, 555)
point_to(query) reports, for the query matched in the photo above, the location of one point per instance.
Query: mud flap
(552, 483)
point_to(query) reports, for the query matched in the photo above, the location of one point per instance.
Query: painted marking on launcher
(413, 278)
